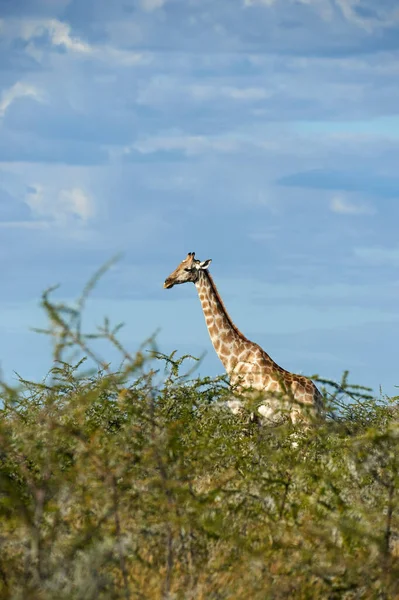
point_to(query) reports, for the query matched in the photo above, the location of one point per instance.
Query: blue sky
(263, 134)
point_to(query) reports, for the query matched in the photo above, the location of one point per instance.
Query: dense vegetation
(140, 483)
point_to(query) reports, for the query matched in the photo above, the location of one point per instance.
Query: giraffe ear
(205, 264)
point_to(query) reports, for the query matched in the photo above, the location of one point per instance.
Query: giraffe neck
(225, 336)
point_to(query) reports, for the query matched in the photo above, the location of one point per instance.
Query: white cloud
(380, 15)
(324, 8)
(252, 93)
(265, 2)
(165, 89)
(150, 5)
(60, 35)
(76, 202)
(125, 58)
(376, 255)
(24, 224)
(18, 90)
(339, 204)
(265, 199)
(348, 10)
(60, 207)
(58, 31)
(207, 92)
(190, 144)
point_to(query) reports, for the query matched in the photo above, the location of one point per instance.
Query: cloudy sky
(263, 134)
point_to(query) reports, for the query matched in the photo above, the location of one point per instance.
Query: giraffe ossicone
(282, 395)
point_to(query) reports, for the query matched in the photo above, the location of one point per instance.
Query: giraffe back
(282, 392)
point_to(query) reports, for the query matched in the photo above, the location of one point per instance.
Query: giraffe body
(283, 394)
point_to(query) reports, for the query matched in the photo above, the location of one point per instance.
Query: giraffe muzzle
(168, 284)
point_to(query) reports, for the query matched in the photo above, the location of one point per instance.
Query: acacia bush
(140, 483)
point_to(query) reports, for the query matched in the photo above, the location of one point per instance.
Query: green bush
(140, 483)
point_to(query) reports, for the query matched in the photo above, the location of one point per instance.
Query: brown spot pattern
(247, 364)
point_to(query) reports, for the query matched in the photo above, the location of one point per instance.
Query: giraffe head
(188, 270)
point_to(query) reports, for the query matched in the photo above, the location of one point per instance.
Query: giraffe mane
(219, 299)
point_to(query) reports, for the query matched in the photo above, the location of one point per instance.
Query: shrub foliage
(140, 483)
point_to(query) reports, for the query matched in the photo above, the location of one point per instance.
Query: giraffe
(284, 395)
